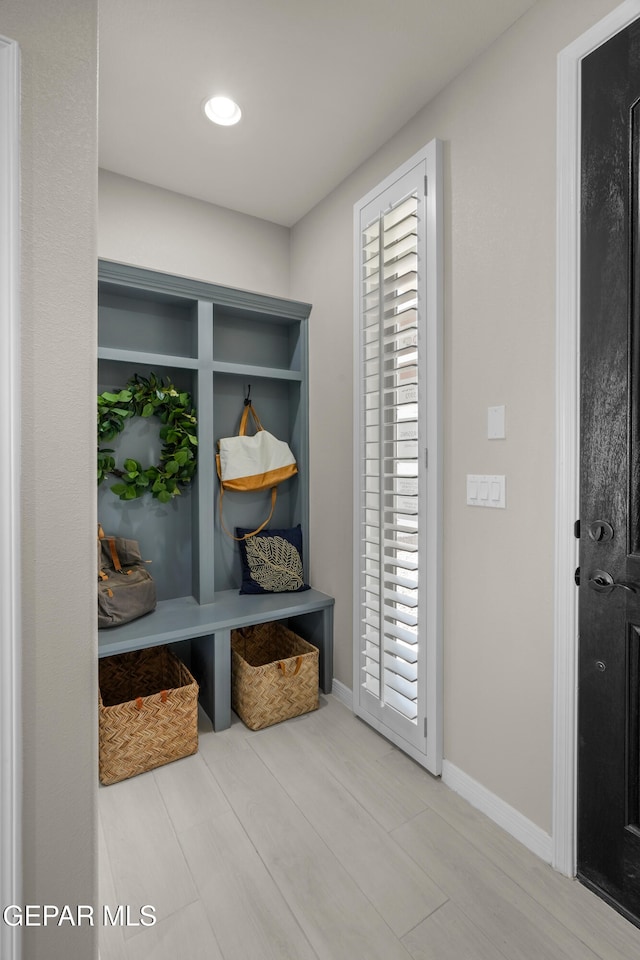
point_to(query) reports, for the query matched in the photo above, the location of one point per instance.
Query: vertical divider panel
(203, 539)
(300, 435)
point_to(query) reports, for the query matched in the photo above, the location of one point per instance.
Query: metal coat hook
(247, 399)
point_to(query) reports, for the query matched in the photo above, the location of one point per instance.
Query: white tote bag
(257, 462)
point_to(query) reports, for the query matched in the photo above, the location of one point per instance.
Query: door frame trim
(10, 700)
(568, 427)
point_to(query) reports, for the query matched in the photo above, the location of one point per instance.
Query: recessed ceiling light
(222, 110)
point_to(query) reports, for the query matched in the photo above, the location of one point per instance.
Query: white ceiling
(322, 84)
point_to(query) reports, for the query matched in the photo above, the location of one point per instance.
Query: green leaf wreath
(143, 397)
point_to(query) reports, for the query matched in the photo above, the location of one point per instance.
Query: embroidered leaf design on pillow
(275, 564)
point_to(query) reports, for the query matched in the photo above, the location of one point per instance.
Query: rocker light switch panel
(486, 491)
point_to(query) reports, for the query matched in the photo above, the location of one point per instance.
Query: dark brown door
(609, 592)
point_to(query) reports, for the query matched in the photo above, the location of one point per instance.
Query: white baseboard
(515, 823)
(498, 810)
(342, 693)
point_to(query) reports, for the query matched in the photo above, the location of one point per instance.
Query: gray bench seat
(208, 626)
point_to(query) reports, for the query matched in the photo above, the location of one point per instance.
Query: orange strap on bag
(274, 495)
(113, 552)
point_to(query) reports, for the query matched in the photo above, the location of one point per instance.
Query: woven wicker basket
(148, 712)
(274, 675)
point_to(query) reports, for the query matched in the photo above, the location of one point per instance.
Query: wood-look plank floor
(317, 840)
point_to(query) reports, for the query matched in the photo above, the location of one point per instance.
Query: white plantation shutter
(397, 510)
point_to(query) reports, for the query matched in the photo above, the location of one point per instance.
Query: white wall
(59, 212)
(498, 123)
(154, 228)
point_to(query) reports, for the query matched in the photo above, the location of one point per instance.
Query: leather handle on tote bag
(249, 409)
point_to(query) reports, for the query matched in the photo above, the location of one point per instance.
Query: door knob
(602, 582)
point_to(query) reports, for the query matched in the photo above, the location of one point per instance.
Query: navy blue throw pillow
(272, 561)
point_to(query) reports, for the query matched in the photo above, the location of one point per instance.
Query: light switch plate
(486, 490)
(495, 423)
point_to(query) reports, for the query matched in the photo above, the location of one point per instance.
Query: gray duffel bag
(125, 588)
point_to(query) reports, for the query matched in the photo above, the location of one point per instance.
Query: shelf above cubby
(256, 372)
(151, 360)
(154, 360)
